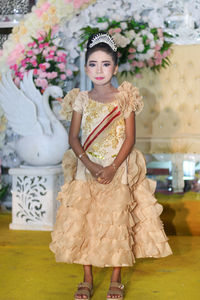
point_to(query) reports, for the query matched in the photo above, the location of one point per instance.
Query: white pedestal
(34, 192)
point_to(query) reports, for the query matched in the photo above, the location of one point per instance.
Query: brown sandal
(84, 288)
(119, 291)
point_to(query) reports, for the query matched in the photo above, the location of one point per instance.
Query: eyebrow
(104, 61)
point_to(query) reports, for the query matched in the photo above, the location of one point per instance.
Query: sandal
(119, 291)
(84, 288)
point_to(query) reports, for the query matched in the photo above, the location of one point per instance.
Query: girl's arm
(76, 145)
(108, 173)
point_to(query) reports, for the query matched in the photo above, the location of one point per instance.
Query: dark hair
(101, 46)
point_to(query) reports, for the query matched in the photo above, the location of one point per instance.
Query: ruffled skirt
(110, 225)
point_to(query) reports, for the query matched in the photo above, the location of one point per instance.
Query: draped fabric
(107, 225)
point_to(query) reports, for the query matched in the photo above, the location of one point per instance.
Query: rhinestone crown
(103, 38)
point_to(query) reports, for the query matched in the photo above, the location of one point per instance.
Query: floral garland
(139, 46)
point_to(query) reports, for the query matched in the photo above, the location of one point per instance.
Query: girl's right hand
(95, 169)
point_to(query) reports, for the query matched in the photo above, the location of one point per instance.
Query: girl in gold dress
(108, 215)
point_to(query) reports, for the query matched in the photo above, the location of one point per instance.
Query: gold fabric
(107, 225)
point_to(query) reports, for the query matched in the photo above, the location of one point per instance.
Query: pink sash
(101, 127)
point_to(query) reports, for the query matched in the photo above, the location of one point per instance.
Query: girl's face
(100, 67)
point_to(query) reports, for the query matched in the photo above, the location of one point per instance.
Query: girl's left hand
(106, 175)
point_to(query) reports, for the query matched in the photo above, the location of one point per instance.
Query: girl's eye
(107, 64)
(91, 65)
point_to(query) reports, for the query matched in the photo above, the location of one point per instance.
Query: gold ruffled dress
(107, 225)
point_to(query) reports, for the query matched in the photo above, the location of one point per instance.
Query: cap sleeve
(129, 99)
(68, 103)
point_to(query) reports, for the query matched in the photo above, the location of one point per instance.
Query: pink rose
(117, 30)
(45, 52)
(61, 66)
(131, 50)
(160, 32)
(157, 47)
(158, 61)
(131, 56)
(35, 71)
(150, 62)
(69, 72)
(63, 76)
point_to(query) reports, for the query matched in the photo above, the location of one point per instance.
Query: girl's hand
(95, 169)
(106, 175)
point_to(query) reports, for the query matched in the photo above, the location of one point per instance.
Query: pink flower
(150, 62)
(157, 47)
(157, 55)
(41, 46)
(141, 64)
(42, 67)
(60, 53)
(131, 56)
(14, 55)
(63, 76)
(34, 63)
(61, 66)
(29, 52)
(134, 63)
(117, 30)
(69, 72)
(35, 72)
(51, 52)
(79, 3)
(158, 61)
(39, 12)
(36, 51)
(160, 32)
(40, 38)
(45, 52)
(131, 50)
(14, 67)
(17, 81)
(110, 31)
(52, 75)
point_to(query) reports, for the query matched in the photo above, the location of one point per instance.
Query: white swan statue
(43, 139)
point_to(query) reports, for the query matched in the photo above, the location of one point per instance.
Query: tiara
(103, 38)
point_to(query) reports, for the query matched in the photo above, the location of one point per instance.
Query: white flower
(123, 25)
(140, 47)
(152, 44)
(103, 26)
(137, 17)
(121, 40)
(150, 36)
(138, 41)
(160, 42)
(130, 34)
(124, 67)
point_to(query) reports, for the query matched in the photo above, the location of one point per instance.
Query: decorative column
(34, 192)
(177, 172)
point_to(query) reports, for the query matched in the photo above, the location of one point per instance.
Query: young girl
(108, 215)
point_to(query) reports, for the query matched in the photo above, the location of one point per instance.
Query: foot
(115, 290)
(84, 291)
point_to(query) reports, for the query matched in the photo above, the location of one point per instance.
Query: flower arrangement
(45, 15)
(139, 46)
(46, 59)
